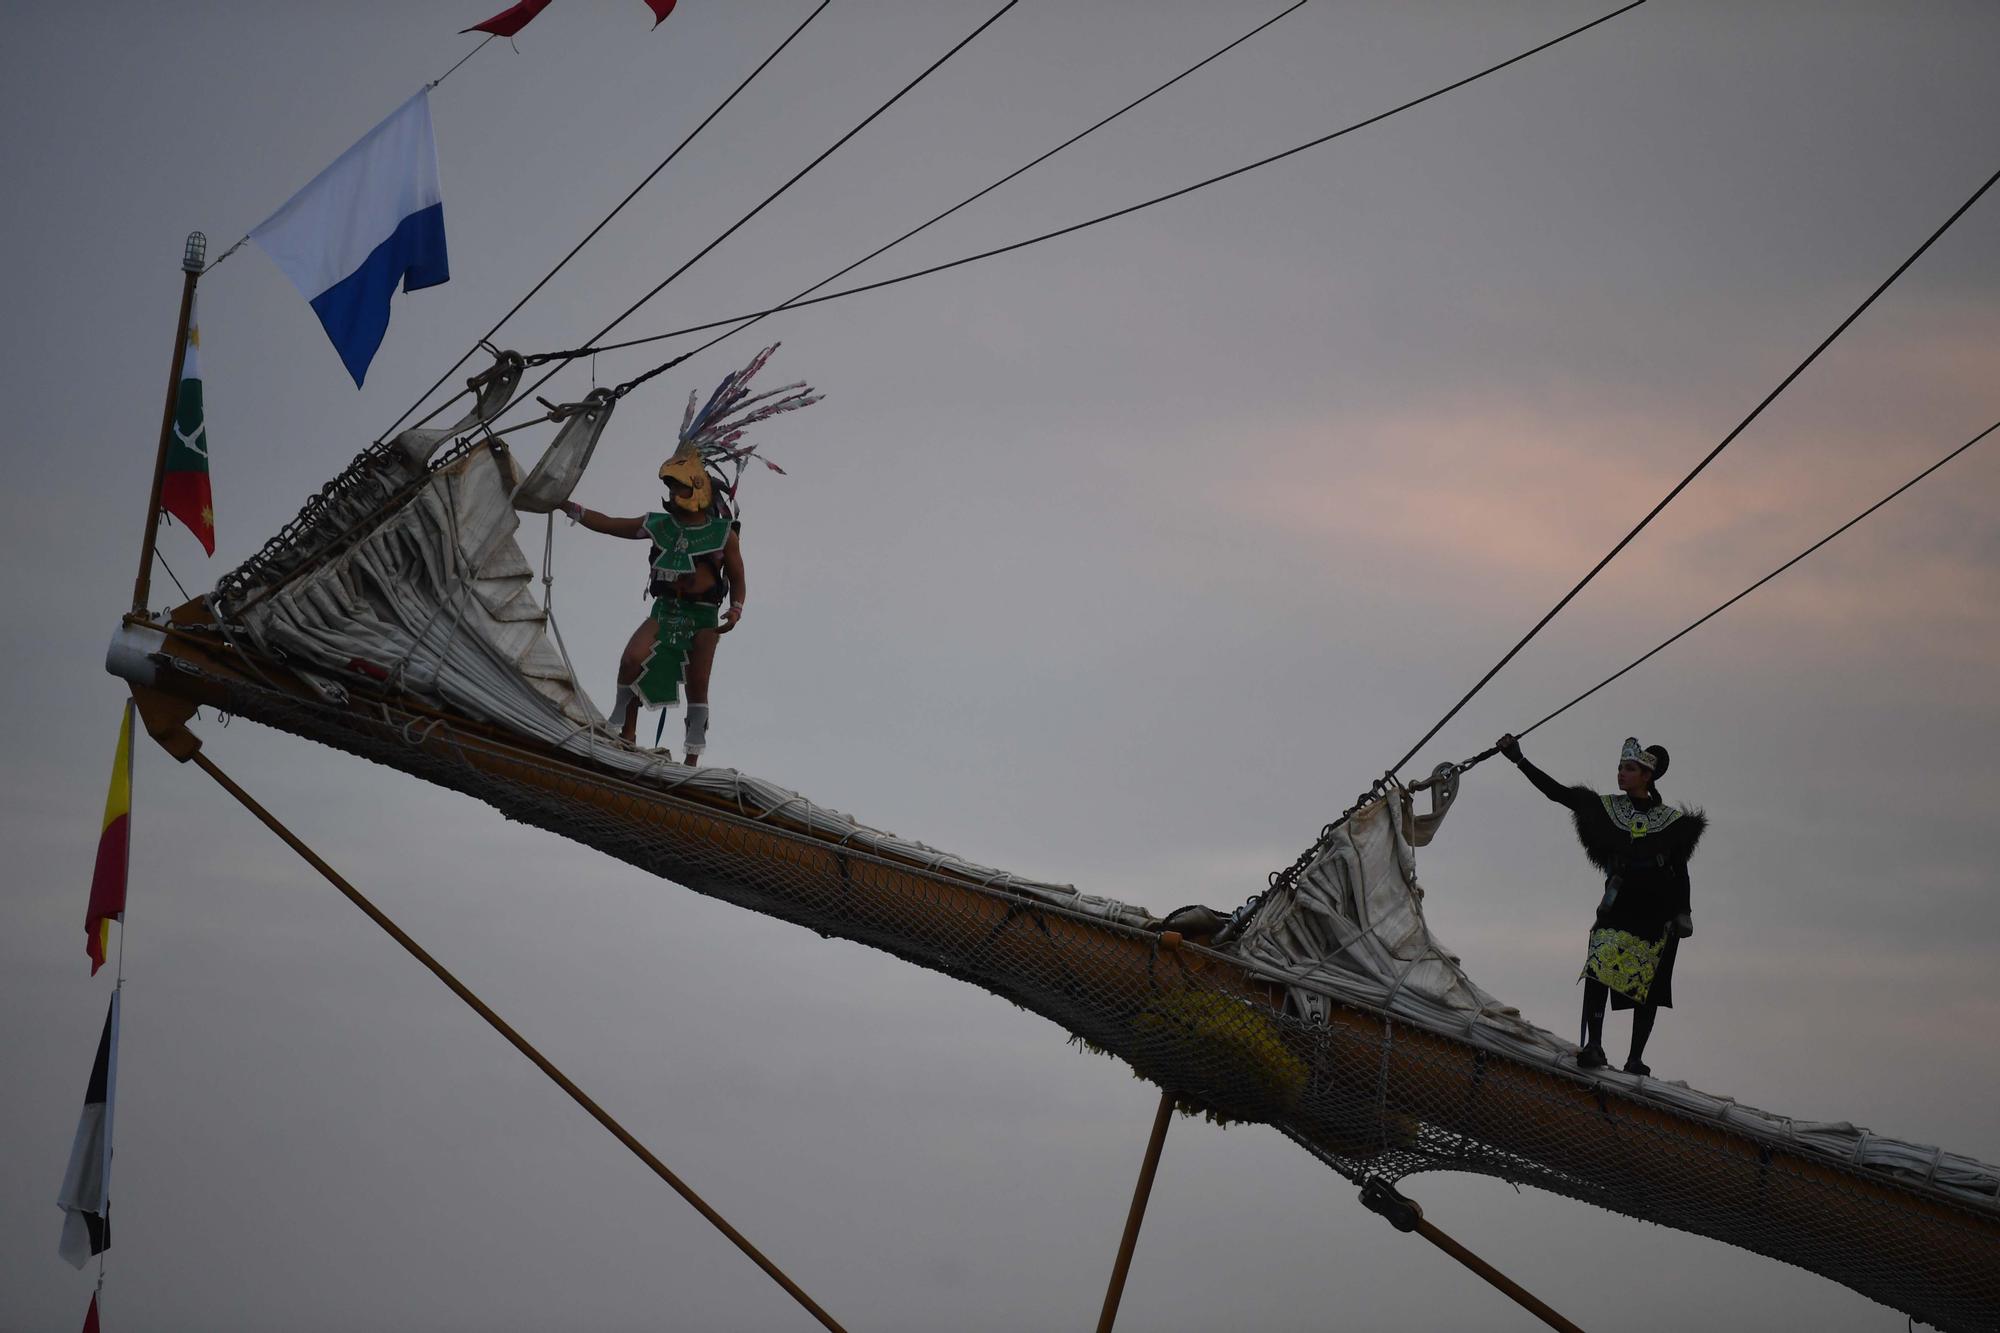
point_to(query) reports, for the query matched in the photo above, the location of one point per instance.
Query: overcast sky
(1124, 561)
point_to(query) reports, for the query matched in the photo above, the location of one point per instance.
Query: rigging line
(516, 308)
(498, 1024)
(728, 333)
(1768, 577)
(461, 60)
(796, 178)
(245, 238)
(969, 199)
(170, 574)
(1684, 482)
(1143, 204)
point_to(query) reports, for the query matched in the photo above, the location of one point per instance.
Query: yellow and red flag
(114, 851)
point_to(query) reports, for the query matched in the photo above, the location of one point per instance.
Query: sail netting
(1335, 1016)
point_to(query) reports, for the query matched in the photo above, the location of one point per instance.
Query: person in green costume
(697, 565)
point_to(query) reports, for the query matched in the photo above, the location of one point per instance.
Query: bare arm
(604, 523)
(732, 569)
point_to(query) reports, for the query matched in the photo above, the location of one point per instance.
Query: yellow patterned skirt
(1623, 962)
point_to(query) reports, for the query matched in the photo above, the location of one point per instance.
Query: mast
(193, 258)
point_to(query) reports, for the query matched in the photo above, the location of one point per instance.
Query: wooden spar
(1140, 1193)
(192, 259)
(1515, 1107)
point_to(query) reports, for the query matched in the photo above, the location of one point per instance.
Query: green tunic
(676, 544)
(676, 620)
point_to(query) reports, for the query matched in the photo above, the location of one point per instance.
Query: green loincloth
(675, 623)
(1623, 961)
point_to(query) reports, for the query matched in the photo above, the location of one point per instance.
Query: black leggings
(1595, 996)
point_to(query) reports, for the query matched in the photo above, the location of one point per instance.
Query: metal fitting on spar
(135, 653)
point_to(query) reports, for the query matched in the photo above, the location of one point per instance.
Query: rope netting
(1368, 1093)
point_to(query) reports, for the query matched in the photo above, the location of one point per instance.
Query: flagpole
(192, 258)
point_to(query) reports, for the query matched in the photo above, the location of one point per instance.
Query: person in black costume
(1642, 845)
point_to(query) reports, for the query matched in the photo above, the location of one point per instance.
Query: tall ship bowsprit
(397, 618)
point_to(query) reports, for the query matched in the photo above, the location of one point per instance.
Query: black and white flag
(86, 1187)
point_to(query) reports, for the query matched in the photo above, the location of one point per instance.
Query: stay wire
(1676, 638)
(170, 574)
(630, 310)
(461, 60)
(606, 220)
(1684, 482)
(969, 199)
(1449, 773)
(245, 239)
(1119, 213)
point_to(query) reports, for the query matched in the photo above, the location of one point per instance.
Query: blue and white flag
(372, 219)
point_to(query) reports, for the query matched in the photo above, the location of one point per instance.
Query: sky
(1123, 561)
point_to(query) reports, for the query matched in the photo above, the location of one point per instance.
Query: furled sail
(396, 620)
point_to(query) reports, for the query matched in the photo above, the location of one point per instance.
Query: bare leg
(630, 663)
(701, 662)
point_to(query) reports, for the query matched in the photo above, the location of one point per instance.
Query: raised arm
(1575, 798)
(604, 523)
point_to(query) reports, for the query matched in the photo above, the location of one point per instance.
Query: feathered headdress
(713, 434)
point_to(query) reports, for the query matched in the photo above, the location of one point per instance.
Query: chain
(1446, 773)
(1282, 881)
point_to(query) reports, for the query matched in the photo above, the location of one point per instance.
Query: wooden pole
(1140, 1194)
(190, 749)
(191, 265)
(1406, 1214)
(1514, 1291)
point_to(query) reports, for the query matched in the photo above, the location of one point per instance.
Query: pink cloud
(1509, 502)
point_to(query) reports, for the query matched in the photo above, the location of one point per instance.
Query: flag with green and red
(184, 489)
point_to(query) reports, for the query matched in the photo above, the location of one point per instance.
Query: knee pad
(621, 699)
(697, 728)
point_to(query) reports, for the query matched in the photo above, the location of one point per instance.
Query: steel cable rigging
(1450, 772)
(1684, 482)
(602, 223)
(768, 199)
(796, 304)
(1697, 624)
(1279, 879)
(923, 226)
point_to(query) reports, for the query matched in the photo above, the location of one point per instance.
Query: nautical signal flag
(85, 1197)
(373, 219)
(90, 1324)
(114, 851)
(184, 489)
(511, 19)
(518, 16)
